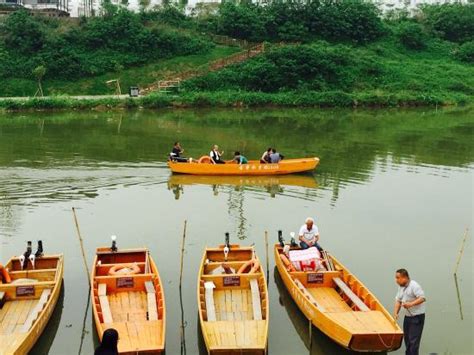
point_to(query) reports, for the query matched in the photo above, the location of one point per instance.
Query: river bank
(239, 99)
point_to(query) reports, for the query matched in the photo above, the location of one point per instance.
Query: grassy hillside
(324, 52)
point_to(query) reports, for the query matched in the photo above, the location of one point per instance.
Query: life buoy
(5, 276)
(205, 159)
(289, 266)
(119, 269)
(253, 264)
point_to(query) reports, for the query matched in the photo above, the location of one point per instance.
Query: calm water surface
(394, 189)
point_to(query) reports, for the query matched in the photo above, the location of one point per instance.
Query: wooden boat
(27, 302)
(233, 308)
(300, 180)
(127, 295)
(254, 167)
(339, 305)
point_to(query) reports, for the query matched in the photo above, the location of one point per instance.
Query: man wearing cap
(309, 235)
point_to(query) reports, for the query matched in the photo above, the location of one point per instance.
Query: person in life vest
(216, 156)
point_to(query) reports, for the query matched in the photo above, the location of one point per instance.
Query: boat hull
(236, 329)
(129, 301)
(286, 166)
(25, 342)
(328, 322)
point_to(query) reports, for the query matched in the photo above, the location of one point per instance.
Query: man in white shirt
(309, 235)
(216, 155)
(411, 297)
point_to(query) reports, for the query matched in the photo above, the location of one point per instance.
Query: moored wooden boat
(27, 302)
(127, 295)
(339, 305)
(233, 308)
(254, 167)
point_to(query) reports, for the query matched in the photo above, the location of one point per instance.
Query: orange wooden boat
(233, 307)
(127, 295)
(254, 167)
(339, 305)
(27, 301)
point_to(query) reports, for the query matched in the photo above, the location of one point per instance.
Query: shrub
(465, 52)
(453, 22)
(411, 35)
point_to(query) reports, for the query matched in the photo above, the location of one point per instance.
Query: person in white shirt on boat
(411, 297)
(216, 155)
(309, 235)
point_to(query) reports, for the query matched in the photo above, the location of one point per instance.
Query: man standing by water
(410, 296)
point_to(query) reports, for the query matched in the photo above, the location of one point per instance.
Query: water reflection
(319, 343)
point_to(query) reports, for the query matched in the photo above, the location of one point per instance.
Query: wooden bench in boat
(351, 295)
(210, 307)
(36, 311)
(151, 299)
(104, 304)
(257, 308)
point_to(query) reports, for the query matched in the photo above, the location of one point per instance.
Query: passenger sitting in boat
(275, 157)
(109, 343)
(216, 155)
(309, 235)
(175, 154)
(266, 156)
(240, 159)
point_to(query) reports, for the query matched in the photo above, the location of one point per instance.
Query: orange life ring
(5, 276)
(205, 159)
(116, 269)
(289, 266)
(253, 264)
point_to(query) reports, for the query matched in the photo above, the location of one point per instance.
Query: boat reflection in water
(274, 185)
(320, 344)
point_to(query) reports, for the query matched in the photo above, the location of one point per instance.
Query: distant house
(411, 5)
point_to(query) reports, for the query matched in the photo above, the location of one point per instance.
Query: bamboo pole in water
(183, 323)
(266, 255)
(81, 244)
(461, 250)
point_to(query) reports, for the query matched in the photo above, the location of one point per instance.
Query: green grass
(140, 76)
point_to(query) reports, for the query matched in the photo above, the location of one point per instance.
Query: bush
(465, 52)
(453, 22)
(411, 35)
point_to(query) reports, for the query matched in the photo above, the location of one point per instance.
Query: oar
(183, 322)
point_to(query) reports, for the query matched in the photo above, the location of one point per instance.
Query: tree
(39, 72)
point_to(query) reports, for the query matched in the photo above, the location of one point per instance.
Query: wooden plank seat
(33, 315)
(210, 307)
(256, 305)
(351, 295)
(151, 300)
(104, 304)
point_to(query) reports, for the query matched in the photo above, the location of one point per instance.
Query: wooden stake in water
(81, 244)
(266, 255)
(461, 251)
(310, 332)
(183, 322)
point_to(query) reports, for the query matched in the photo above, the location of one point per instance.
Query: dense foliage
(465, 52)
(117, 40)
(411, 35)
(351, 20)
(453, 22)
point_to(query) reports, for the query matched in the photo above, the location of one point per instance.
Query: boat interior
(24, 298)
(342, 298)
(234, 306)
(133, 304)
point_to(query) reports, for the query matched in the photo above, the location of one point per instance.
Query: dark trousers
(412, 329)
(219, 162)
(303, 245)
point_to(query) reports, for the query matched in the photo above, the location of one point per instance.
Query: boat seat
(151, 299)
(36, 311)
(209, 286)
(351, 295)
(104, 304)
(257, 307)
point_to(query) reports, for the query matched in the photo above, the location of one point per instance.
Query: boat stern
(378, 342)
